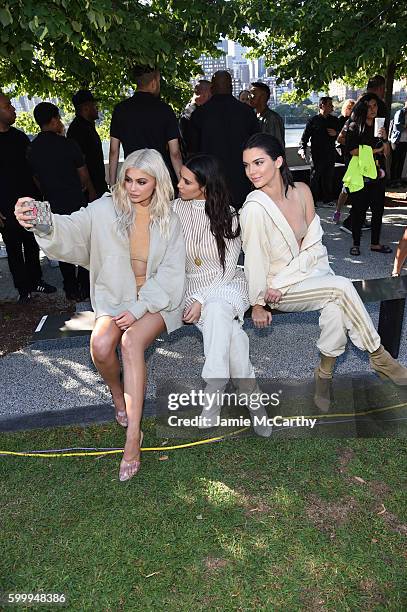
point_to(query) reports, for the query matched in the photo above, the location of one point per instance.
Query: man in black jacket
(322, 130)
(222, 126)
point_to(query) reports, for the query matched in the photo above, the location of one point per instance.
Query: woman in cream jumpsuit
(287, 265)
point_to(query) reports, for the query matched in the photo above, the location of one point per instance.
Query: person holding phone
(132, 243)
(361, 131)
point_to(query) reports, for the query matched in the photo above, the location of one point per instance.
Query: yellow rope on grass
(198, 442)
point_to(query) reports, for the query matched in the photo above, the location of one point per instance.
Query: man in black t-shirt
(145, 122)
(322, 130)
(16, 181)
(83, 131)
(60, 170)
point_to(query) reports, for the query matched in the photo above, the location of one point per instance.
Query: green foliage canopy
(316, 41)
(53, 47)
(26, 122)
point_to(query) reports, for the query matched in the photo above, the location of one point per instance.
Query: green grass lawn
(244, 524)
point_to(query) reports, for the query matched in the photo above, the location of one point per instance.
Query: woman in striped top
(216, 295)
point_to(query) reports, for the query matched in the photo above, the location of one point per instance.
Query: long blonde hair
(151, 162)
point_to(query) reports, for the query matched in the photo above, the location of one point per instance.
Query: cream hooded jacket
(90, 238)
(272, 255)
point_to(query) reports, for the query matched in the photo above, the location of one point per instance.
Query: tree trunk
(388, 96)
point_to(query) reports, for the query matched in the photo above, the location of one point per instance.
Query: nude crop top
(139, 244)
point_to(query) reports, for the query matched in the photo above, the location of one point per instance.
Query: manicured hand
(192, 314)
(22, 206)
(261, 317)
(273, 296)
(331, 132)
(124, 320)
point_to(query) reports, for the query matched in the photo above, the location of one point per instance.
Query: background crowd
(69, 171)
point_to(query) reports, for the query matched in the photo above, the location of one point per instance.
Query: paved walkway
(58, 378)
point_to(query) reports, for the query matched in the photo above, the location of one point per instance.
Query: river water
(292, 136)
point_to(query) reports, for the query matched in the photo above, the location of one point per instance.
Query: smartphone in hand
(43, 219)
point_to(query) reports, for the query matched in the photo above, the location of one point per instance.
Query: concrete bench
(390, 292)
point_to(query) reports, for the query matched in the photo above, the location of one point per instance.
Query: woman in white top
(286, 264)
(132, 244)
(216, 296)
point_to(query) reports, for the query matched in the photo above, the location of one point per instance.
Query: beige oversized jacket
(89, 238)
(272, 255)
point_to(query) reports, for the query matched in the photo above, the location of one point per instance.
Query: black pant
(23, 255)
(322, 179)
(397, 162)
(371, 195)
(72, 282)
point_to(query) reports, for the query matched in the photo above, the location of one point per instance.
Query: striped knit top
(205, 277)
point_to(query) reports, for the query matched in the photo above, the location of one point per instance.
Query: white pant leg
(216, 325)
(342, 313)
(239, 360)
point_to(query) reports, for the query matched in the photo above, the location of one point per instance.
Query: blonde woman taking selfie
(132, 244)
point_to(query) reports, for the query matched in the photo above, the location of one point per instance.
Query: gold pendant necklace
(197, 260)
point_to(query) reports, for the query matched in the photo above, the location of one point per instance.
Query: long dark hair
(218, 200)
(273, 148)
(360, 110)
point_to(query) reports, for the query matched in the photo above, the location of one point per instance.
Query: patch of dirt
(374, 595)
(345, 456)
(393, 523)
(18, 321)
(212, 563)
(379, 489)
(327, 516)
(312, 601)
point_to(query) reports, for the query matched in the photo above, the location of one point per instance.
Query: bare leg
(341, 201)
(103, 342)
(401, 254)
(134, 343)
(343, 196)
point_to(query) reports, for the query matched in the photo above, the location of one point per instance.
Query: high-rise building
(257, 68)
(239, 52)
(241, 71)
(210, 65)
(342, 91)
(236, 86)
(223, 44)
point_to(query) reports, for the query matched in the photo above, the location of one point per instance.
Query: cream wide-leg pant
(342, 313)
(226, 345)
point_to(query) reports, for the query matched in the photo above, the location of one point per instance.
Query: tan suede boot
(387, 367)
(323, 377)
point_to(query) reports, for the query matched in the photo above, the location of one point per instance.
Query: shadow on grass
(237, 525)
